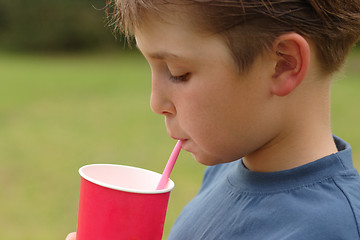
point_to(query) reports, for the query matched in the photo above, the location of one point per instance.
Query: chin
(208, 160)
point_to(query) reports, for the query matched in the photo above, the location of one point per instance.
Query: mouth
(183, 142)
(180, 139)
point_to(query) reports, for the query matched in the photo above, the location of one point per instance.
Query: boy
(245, 85)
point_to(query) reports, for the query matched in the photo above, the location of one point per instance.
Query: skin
(275, 117)
(71, 236)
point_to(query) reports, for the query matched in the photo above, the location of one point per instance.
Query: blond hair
(250, 26)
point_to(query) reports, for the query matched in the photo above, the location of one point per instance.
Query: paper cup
(121, 203)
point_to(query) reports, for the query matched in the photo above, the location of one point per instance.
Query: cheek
(225, 127)
(207, 107)
(208, 126)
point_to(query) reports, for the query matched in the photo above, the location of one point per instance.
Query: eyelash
(181, 78)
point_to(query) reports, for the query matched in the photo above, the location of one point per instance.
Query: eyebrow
(163, 55)
(160, 55)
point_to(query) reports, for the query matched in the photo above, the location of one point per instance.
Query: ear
(292, 53)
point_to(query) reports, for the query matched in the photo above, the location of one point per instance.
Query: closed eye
(181, 78)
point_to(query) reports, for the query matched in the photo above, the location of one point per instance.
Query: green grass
(58, 113)
(346, 105)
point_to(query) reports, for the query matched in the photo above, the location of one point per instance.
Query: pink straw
(169, 166)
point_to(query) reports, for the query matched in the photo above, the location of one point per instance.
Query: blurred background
(71, 94)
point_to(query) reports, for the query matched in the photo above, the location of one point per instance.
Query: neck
(303, 138)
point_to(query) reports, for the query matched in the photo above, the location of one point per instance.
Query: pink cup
(121, 203)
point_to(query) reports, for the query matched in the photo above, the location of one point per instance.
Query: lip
(181, 139)
(183, 142)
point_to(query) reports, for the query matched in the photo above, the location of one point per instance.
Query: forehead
(177, 41)
(168, 39)
(157, 36)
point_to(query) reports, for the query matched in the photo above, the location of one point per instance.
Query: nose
(160, 100)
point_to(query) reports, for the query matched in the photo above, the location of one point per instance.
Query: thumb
(71, 236)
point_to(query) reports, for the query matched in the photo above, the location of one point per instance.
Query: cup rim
(169, 187)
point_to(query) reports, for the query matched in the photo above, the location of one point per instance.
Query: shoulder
(329, 209)
(349, 186)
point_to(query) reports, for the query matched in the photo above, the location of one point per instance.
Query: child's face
(219, 114)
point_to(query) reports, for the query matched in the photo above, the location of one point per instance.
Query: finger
(71, 236)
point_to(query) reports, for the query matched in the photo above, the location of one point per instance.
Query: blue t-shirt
(316, 201)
